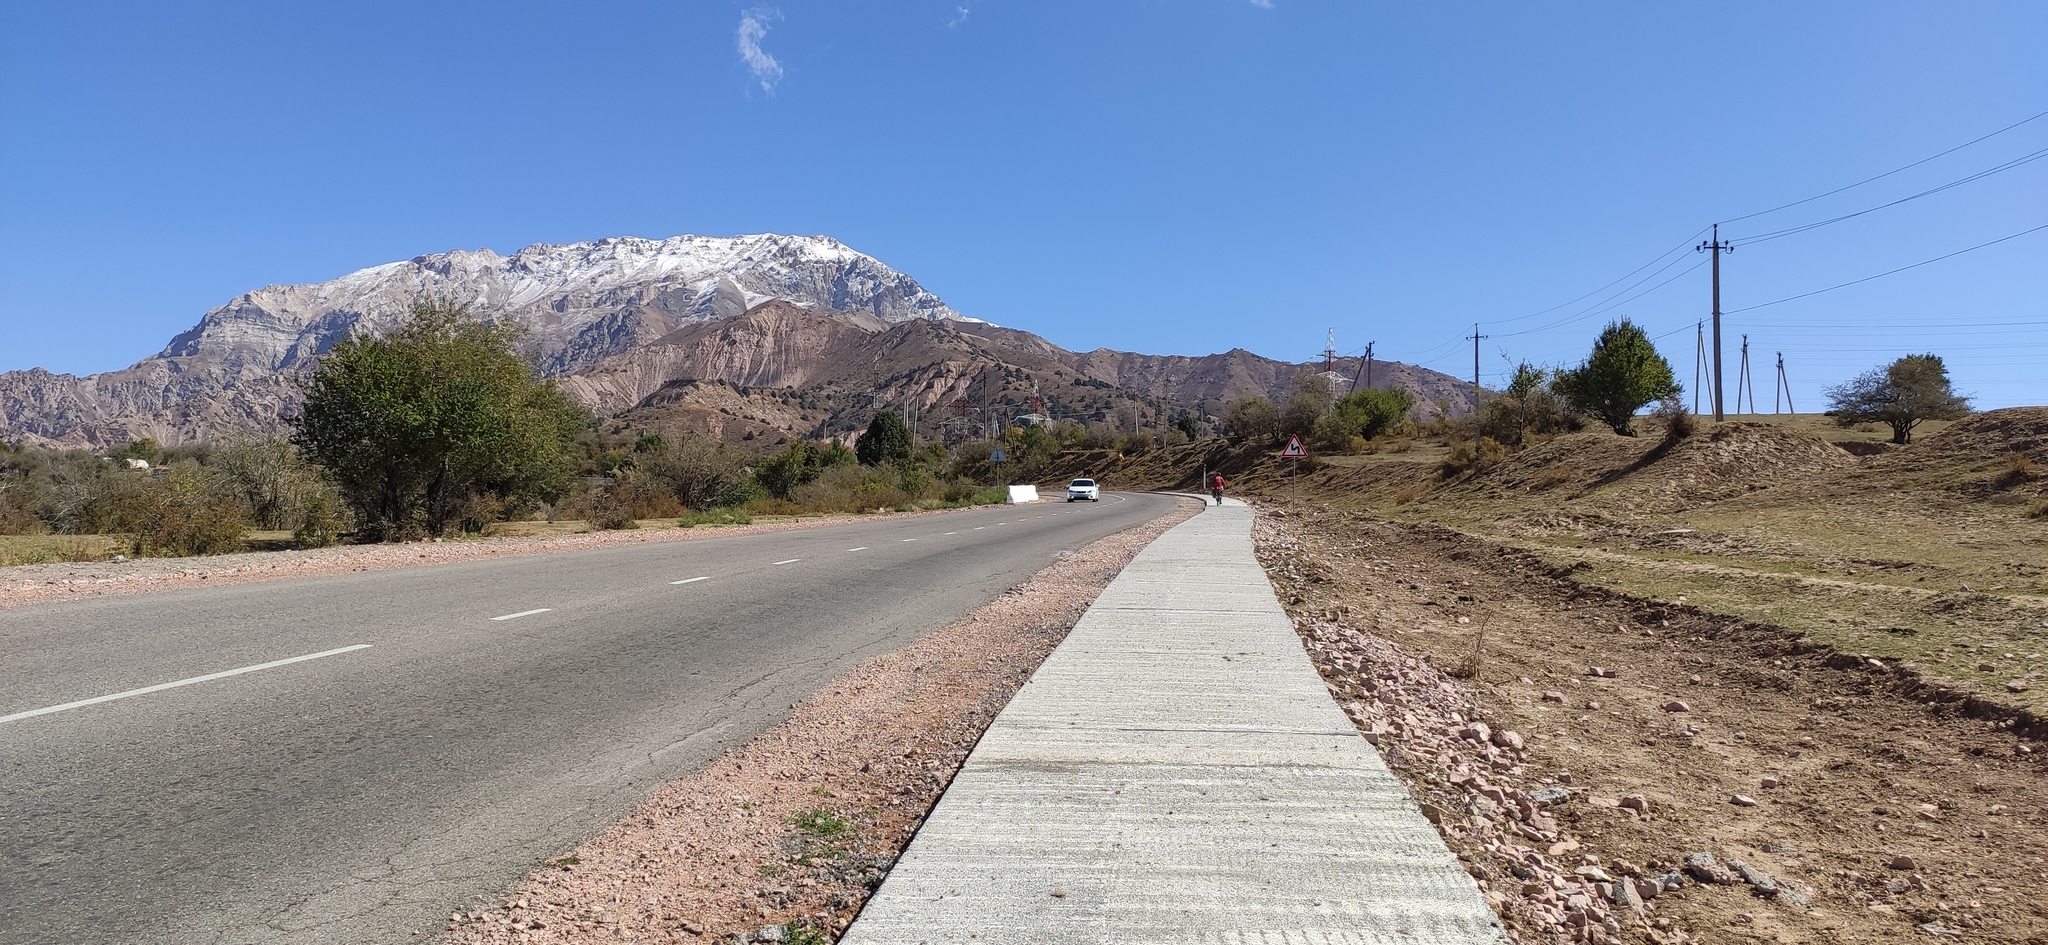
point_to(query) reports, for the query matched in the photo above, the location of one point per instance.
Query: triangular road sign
(1294, 450)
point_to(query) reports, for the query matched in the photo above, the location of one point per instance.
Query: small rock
(1701, 866)
(1676, 706)
(1672, 881)
(1646, 889)
(1742, 800)
(2017, 685)
(1637, 803)
(1600, 671)
(1693, 679)
(1769, 783)
(1755, 877)
(1507, 739)
(1549, 795)
(1903, 862)
(1059, 894)
(1594, 705)
(1625, 895)
(772, 933)
(1594, 873)
(1986, 668)
(1477, 732)
(1553, 695)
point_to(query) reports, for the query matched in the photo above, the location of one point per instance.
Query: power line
(1980, 175)
(1888, 272)
(1890, 172)
(1681, 246)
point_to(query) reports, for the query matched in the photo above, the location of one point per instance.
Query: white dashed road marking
(789, 561)
(861, 548)
(909, 539)
(146, 690)
(693, 580)
(524, 613)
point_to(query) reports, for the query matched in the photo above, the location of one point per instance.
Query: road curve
(348, 759)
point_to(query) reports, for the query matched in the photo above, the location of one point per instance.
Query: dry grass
(51, 549)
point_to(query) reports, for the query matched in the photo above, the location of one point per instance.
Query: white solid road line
(789, 561)
(146, 690)
(952, 533)
(524, 613)
(909, 539)
(693, 580)
(861, 548)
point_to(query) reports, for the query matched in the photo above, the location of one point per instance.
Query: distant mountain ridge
(616, 320)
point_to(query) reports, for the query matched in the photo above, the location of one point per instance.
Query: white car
(1084, 489)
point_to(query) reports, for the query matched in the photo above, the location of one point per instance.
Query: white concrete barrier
(1022, 494)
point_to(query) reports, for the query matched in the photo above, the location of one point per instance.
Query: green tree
(414, 424)
(1623, 373)
(1899, 395)
(1368, 413)
(1254, 418)
(887, 440)
(1306, 404)
(1189, 427)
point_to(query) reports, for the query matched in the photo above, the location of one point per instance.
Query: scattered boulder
(1742, 800)
(1637, 803)
(1601, 672)
(1676, 706)
(1903, 862)
(1552, 695)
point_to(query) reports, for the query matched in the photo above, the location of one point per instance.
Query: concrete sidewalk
(1177, 772)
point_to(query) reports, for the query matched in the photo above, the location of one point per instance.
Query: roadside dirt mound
(1602, 472)
(1975, 454)
(1731, 459)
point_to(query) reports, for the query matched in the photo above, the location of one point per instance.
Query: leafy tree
(1306, 404)
(1189, 427)
(1899, 395)
(1623, 373)
(798, 463)
(1254, 418)
(1368, 413)
(887, 440)
(414, 424)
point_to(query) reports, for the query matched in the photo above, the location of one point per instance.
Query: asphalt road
(362, 794)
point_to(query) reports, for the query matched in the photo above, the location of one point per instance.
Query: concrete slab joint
(1177, 772)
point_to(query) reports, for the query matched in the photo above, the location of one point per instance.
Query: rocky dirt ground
(782, 839)
(1613, 768)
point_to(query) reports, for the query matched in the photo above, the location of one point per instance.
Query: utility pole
(1699, 361)
(1784, 384)
(1741, 378)
(1330, 353)
(1478, 430)
(1717, 247)
(1364, 369)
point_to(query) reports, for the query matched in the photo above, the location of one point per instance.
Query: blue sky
(1168, 177)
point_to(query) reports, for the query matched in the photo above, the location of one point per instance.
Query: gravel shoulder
(783, 838)
(43, 583)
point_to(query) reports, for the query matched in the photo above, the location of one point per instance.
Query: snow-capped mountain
(579, 303)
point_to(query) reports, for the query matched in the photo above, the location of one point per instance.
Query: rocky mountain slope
(618, 320)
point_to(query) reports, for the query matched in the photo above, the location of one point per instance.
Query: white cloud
(753, 26)
(959, 16)
(1263, 4)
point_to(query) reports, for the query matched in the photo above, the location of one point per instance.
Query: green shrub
(181, 514)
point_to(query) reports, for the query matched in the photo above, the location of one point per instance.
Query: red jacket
(1216, 481)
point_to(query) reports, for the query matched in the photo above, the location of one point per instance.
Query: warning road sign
(1294, 450)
